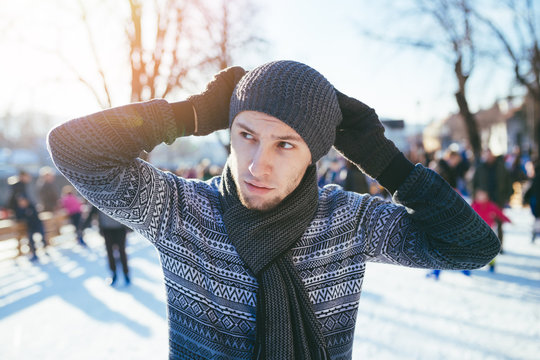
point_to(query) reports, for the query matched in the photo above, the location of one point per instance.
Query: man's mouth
(256, 187)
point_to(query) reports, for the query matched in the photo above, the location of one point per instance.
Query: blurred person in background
(19, 187)
(334, 173)
(91, 213)
(489, 211)
(4, 213)
(203, 169)
(114, 234)
(73, 206)
(47, 190)
(26, 212)
(23, 208)
(186, 172)
(260, 263)
(355, 180)
(492, 176)
(452, 167)
(531, 198)
(516, 164)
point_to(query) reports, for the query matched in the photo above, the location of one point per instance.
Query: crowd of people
(28, 200)
(488, 184)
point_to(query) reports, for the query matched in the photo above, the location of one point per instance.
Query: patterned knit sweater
(211, 294)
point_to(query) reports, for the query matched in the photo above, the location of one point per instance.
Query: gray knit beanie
(295, 94)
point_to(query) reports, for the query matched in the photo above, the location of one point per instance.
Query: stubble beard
(254, 203)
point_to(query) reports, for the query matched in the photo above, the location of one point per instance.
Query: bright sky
(398, 82)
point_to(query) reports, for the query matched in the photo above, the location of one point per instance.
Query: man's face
(268, 159)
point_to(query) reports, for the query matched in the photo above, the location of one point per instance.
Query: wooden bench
(52, 222)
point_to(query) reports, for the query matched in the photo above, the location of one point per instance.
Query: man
(114, 234)
(355, 180)
(24, 209)
(452, 167)
(26, 212)
(259, 262)
(492, 176)
(19, 188)
(47, 190)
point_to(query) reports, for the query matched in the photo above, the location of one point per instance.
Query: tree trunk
(136, 59)
(470, 123)
(464, 111)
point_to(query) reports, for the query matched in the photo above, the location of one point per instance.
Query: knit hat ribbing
(297, 95)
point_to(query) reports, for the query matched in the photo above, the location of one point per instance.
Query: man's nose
(261, 163)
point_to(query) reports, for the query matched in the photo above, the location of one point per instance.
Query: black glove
(212, 105)
(360, 137)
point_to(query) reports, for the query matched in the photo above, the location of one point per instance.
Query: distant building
(520, 127)
(500, 127)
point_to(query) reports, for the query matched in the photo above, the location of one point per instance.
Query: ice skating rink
(62, 308)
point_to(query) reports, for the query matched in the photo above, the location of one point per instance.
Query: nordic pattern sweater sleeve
(430, 226)
(99, 153)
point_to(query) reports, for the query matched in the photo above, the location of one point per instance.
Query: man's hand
(212, 105)
(360, 137)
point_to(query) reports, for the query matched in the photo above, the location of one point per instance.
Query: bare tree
(188, 37)
(225, 24)
(454, 17)
(150, 76)
(185, 37)
(453, 43)
(520, 43)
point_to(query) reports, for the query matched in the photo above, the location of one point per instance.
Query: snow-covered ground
(61, 307)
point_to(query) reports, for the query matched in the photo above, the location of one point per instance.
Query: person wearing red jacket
(73, 206)
(489, 212)
(487, 209)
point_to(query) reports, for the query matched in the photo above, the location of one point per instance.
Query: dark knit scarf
(287, 327)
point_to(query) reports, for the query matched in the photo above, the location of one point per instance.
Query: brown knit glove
(212, 105)
(360, 137)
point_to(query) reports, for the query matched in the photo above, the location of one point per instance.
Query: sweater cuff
(395, 173)
(183, 115)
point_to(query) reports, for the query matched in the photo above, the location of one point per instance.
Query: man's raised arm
(98, 153)
(435, 227)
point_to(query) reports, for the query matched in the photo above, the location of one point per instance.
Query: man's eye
(246, 135)
(285, 145)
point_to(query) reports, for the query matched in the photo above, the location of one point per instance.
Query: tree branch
(84, 81)
(91, 42)
(510, 51)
